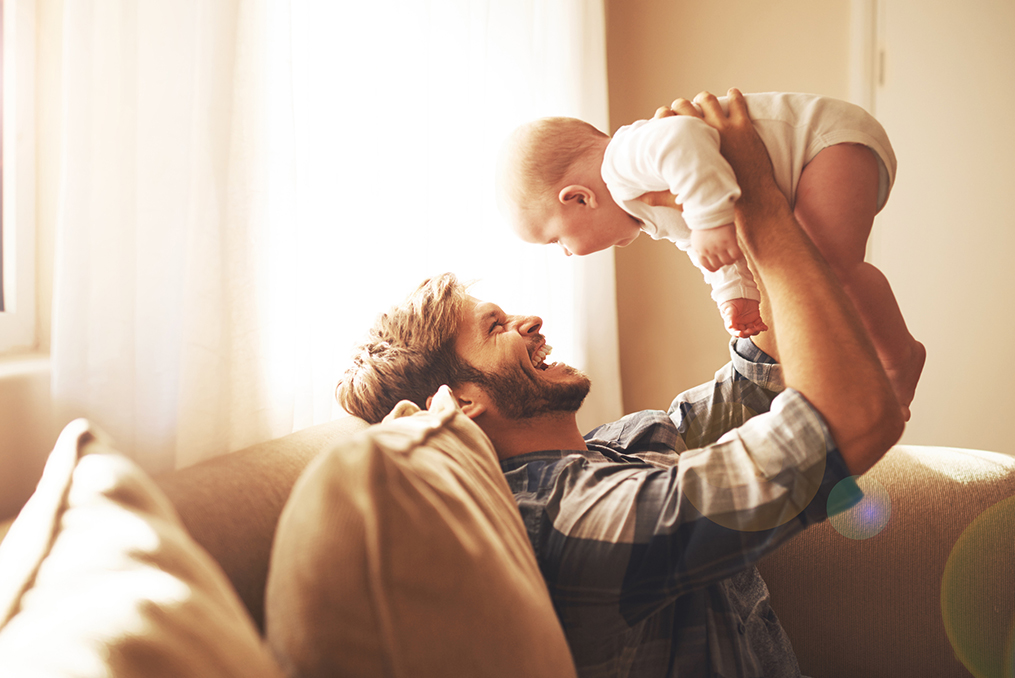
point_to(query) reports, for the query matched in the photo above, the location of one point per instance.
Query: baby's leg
(836, 203)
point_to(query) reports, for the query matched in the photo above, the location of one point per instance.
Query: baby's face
(582, 232)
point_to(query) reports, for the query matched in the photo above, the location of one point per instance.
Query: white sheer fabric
(244, 185)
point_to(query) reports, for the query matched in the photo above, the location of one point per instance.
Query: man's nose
(529, 324)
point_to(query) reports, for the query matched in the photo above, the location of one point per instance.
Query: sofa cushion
(99, 578)
(230, 504)
(882, 605)
(401, 552)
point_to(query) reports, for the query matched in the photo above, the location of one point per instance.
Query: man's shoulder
(636, 433)
(646, 437)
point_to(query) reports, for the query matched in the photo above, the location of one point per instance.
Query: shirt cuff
(756, 365)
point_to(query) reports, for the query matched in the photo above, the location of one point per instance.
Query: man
(647, 529)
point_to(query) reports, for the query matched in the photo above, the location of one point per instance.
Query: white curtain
(244, 185)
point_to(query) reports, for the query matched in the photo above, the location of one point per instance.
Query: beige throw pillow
(98, 578)
(401, 552)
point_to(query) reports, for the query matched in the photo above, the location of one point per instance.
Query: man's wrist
(760, 213)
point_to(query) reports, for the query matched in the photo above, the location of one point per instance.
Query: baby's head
(551, 186)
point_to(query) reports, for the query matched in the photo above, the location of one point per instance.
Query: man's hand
(739, 141)
(716, 247)
(739, 144)
(678, 107)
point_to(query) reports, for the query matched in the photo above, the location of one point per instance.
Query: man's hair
(541, 154)
(409, 353)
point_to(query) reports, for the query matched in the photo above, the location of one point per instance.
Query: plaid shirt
(643, 582)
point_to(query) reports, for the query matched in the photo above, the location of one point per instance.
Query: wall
(946, 237)
(671, 336)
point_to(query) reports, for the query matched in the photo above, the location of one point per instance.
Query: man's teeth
(540, 355)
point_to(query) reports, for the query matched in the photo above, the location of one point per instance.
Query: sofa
(396, 550)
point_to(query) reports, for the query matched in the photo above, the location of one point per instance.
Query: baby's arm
(701, 185)
(716, 247)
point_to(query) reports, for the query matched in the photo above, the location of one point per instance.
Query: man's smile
(538, 353)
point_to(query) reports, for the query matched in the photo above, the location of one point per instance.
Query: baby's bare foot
(905, 374)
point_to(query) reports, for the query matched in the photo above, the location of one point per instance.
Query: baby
(567, 183)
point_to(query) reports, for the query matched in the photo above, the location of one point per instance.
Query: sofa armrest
(873, 607)
(231, 504)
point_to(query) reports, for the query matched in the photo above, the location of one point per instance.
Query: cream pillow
(98, 578)
(401, 552)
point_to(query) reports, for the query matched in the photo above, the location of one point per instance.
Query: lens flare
(866, 518)
(977, 596)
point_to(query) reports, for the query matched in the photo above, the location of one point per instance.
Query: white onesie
(680, 154)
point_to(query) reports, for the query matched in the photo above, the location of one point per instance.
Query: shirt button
(741, 628)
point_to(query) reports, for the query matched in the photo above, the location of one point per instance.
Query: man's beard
(520, 396)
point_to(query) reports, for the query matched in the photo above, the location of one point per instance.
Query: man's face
(509, 351)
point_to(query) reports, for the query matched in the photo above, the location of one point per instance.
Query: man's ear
(576, 194)
(471, 398)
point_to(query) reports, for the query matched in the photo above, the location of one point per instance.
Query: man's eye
(495, 325)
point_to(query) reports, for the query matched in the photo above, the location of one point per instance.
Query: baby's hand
(716, 247)
(742, 317)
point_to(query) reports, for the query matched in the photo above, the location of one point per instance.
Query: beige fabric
(98, 578)
(230, 505)
(873, 607)
(402, 553)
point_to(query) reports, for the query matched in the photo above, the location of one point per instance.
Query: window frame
(18, 320)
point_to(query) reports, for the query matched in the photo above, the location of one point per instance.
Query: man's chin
(558, 390)
(568, 392)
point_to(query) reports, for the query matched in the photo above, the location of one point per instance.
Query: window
(17, 169)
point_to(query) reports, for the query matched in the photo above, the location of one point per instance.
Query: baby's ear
(576, 194)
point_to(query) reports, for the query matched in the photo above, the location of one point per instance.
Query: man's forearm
(823, 347)
(825, 352)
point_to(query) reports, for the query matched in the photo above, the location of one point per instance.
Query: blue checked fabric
(648, 540)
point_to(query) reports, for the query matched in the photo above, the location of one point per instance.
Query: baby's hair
(543, 152)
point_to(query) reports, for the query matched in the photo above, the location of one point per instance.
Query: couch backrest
(231, 504)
